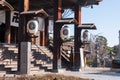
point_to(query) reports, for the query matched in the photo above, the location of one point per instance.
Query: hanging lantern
(65, 33)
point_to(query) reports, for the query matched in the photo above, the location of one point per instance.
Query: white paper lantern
(65, 33)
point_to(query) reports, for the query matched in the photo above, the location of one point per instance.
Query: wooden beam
(67, 21)
(40, 13)
(87, 26)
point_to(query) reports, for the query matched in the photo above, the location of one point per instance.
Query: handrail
(65, 54)
(65, 57)
(51, 42)
(40, 49)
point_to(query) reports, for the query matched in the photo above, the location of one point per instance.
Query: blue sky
(106, 17)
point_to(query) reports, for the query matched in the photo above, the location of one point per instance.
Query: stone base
(25, 55)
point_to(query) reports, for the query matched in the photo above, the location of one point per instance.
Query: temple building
(33, 20)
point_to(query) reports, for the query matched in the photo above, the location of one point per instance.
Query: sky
(106, 17)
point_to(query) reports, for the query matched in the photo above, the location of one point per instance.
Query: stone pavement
(94, 74)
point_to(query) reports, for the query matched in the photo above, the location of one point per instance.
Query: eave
(5, 6)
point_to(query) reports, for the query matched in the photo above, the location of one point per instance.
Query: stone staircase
(8, 58)
(41, 59)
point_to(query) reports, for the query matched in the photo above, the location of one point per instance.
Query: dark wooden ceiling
(47, 5)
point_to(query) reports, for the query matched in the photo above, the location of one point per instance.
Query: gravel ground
(94, 74)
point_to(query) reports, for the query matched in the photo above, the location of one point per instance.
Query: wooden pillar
(7, 26)
(77, 43)
(26, 5)
(56, 37)
(23, 6)
(42, 38)
(13, 35)
(59, 10)
(85, 59)
(46, 31)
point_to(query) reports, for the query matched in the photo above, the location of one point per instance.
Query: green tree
(107, 49)
(103, 39)
(101, 50)
(115, 49)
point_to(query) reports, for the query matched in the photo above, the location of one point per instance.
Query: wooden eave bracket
(86, 51)
(73, 1)
(99, 0)
(89, 2)
(40, 13)
(67, 21)
(87, 26)
(5, 6)
(76, 1)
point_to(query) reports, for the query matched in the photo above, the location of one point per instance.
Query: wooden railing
(67, 51)
(50, 46)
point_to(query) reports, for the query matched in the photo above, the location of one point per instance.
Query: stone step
(47, 65)
(12, 66)
(14, 69)
(44, 53)
(45, 61)
(37, 72)
(8, 76)
(8, 67)
(9, 45)
(2, 73)
(44, 65)
(34, 68)
(36, 62)
(42, 57)
(42, 62)
(12, 48)
(8, 62)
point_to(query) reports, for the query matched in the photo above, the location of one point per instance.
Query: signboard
(14, 18)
